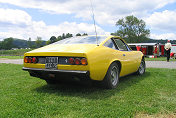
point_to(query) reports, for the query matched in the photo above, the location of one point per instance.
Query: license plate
(51, 62)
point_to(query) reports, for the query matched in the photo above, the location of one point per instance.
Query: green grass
(12, 57)
(158, 59)
(18, 52)
(152, 94)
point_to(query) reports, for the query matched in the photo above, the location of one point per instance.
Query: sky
(26, 19)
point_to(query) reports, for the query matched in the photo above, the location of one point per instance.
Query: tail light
(29, 60)
(26, 59)
(62, 60)
(71, 60)
(84, 61)
(77, 61)
(34, 60)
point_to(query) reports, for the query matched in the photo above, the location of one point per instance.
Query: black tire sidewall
(142, 61)
(107, 81)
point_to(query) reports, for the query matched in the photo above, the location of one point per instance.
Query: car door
(129, 59)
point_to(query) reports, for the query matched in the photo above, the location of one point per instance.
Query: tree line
(63, 36)
(10, 43)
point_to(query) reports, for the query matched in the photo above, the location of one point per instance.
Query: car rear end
(56, 65)
(68, 57)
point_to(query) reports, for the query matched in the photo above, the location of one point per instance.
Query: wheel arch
(118, 63)
(109, 81)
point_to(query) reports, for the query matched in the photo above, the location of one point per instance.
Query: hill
(21, 43)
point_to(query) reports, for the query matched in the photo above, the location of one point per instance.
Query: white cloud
(46, 31)
(19, 24)
(170, 36)
(106, 12)
(164, 20)
(16, 17)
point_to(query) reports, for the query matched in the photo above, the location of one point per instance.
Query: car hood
(70, 48)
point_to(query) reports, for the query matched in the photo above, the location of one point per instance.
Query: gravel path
(161, 64)
(149, 64)
(11, 61)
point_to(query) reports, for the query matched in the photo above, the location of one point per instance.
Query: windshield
(82, 40)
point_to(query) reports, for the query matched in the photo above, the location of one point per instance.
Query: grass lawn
(153, 95)
(14, 52)
(158, 59)
(12, 57)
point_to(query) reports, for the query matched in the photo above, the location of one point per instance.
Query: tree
(59, 38)
(63, 36)
(38, 42)
(1, 46)
(53, 39)
(132, 29)
(85, 34)
(68, 35)
(48, 42)
(7, 43)
(78, 34)
(29, 43)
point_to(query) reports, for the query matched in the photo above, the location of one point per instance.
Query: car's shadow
(95, 91)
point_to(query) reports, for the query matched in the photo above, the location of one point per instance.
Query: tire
(142, 67)
(111, 79)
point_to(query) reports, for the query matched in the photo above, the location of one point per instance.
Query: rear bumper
(44, 73)
(59, 71)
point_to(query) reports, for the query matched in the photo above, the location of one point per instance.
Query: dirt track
(149, 64)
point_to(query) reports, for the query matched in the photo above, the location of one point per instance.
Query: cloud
(14, 17)
(106, 12)
(19, 24)
(46, 31)
(170, 36)
(165, 20)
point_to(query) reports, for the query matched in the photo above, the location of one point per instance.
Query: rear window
(82, 40)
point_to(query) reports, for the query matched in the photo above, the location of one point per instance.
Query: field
(18, 52)
(150, 95)
(12, 57)
(13, 54)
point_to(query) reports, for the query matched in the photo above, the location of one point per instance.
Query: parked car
(100, 58)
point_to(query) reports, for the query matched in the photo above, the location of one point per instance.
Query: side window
(109, 44)
(121, 45)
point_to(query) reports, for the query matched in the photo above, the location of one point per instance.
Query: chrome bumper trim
(50, 70)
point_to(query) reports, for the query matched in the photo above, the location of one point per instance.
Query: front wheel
(111, 79)
(142, 67)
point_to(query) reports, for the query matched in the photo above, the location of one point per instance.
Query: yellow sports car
(100, 58)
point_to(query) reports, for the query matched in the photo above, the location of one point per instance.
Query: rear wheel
(111, 79)
(142, 67)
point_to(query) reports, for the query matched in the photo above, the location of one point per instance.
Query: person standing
(167, 47)
(155, 51)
